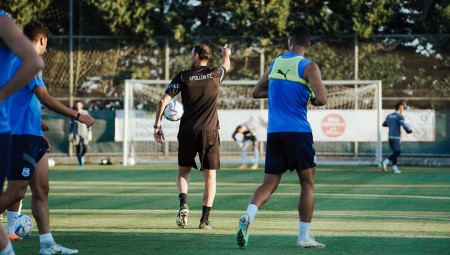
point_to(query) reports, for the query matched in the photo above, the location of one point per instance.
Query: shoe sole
(383, 168)
(208, 227)
(182, 222)
(242, 239)
(312, 246)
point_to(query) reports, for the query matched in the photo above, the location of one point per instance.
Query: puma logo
(284, 74)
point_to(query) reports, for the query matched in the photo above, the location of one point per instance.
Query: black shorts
(204, 142)
(5, 141)
(289, 151)
(26, 151)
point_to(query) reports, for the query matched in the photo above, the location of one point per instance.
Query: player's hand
(313, 101)
(159, 135)
(44, 126)
(226, 51)
(47, 142)
(86, 119)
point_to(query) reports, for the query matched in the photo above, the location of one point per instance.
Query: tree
(24, 11)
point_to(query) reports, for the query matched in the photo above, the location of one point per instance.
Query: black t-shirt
(199, 89)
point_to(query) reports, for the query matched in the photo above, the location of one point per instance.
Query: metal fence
(413, 68)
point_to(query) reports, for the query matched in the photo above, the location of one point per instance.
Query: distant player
(12, 41)
(248, 138)
(29, 163)
(394, 121)
(199, 126)
(289, 85)
(80, 135)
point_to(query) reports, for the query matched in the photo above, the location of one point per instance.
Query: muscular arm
(313, 76)
(165, 99)
(158, 133)
(46, 99)
(11, 35)
(261, 88)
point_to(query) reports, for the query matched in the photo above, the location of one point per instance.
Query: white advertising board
(327, 125)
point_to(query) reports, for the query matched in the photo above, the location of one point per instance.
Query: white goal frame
(128, 150)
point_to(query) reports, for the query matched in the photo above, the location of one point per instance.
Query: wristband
(78, 116)
(157, 127)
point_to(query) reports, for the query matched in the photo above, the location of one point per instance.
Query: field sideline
(359, 210)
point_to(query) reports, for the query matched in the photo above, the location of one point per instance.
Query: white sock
(252, 209)
(303, 230)
(8, 250)
(46, 239)
(11, 222)
(386, 161)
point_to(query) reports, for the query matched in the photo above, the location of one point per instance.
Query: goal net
(347, 128)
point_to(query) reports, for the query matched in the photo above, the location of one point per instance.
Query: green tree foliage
(419, 17)
(254, 26)
(24, 11)
(144, 20)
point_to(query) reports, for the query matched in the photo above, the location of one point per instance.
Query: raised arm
(14, 39)
(226, 52)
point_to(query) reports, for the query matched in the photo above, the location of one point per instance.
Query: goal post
(347, 128)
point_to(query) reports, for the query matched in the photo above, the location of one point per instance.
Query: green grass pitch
(358, 210)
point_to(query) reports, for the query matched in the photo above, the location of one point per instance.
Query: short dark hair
(300, 35)
(35, 28)
(397, 105)
(203, 51)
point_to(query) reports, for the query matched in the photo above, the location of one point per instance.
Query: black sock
(183, 200)
(205, 214)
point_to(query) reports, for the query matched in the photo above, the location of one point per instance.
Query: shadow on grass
(205, 243)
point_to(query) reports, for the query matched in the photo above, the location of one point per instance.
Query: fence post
(71, 66)
(356, 149)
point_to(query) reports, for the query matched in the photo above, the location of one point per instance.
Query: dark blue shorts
(395, 144)
(26, 151)
(289, 151)
(5, 142)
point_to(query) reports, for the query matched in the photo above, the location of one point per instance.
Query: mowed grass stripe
(426, 216)
(118, 193)
(136, 185)
(265, 224)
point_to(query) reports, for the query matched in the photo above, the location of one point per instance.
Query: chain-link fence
(412, 68)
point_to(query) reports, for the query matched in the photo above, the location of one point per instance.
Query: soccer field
(358, 210)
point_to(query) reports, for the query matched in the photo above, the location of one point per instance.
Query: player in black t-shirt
(199, 126)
